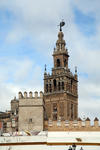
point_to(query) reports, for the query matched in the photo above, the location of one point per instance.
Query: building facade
(31, 112)
(61, 88)
(26, 114)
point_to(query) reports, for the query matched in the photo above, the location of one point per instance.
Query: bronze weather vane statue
(62, 23)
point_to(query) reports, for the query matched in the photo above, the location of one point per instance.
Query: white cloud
(18, 75)
(22, 71)
(7, 92)
(36, 17)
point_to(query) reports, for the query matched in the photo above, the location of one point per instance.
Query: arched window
(71, 82)
(58, 62)
(50, 88)
(65, 62)
(62, 85)
(54, 83)
(46, 88)
(68, 109)
(16, 110)
(71, 85)
(71, 111)
(54, 117)
(59, 86)
(55, 111)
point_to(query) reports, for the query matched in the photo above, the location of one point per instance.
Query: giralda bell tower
(61, 88)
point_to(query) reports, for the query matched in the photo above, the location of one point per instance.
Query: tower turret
(60, 88)
(60, 54)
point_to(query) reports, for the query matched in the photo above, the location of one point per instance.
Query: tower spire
(45, 68)
(75, 69)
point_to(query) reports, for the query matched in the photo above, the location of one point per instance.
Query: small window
(30, 120)
(46, 88)
(65, 62)
(54, 117)
(62, 85)
(71, 82)
(50, 88)
(71, 85)
(55, 111)
(59, 86)
(17, 111)
(54, 82)
(55, 107)
(58, 62)
(71, 111)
